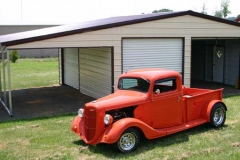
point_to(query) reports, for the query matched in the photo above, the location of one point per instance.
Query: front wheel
(128, 141)
(218, 115)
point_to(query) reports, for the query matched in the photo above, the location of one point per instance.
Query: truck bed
(195, 101)
(191, 92)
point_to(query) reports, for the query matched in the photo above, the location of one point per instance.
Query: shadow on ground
(46, 101)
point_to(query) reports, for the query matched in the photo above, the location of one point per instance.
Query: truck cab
(150, 102)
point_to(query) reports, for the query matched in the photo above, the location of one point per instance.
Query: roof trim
(65, 30)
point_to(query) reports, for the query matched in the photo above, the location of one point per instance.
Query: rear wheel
(218, 115)
(128, 141)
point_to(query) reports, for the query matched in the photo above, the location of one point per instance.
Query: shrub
(14, 55)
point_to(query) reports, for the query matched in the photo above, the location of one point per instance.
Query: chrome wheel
(127, 141)
(218, 116)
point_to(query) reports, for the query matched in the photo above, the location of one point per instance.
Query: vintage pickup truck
(148, 102)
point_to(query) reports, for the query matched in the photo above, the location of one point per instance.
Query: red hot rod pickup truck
(148, 102)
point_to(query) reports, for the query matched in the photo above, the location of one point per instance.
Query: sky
(70, 11)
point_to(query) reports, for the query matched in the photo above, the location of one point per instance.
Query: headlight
(108, 119)
(80, 113)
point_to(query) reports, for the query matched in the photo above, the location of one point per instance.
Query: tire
(128, 141)
(218, 115)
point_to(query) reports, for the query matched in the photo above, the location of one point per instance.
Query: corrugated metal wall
(38, 53)
(232, 61)
(71, 67)
(8, 29)
(198, 60)
(95, 71)
(153, 53)
(29, 53)
(60, 54)
(209, 64)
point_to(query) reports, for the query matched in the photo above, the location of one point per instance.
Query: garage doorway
(215, 61)
(89, 70)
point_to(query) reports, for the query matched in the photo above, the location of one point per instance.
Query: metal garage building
(93, 54)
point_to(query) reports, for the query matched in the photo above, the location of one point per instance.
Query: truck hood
(119, 99)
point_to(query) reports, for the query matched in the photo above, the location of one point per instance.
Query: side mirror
(157, 91)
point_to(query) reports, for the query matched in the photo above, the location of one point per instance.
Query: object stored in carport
(150, 102)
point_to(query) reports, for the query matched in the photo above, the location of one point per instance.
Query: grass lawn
(28, 73)
(51, 138)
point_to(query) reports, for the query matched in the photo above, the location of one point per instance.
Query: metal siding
(232, 61)
(153, 53)
(95, 71)
(38, 53)
(71, 67)
(209, 64)
(9, 29)
(198, 60)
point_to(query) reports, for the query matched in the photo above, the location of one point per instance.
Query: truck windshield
(136, 84)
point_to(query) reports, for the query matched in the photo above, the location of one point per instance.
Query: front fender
(113, 132)
(78, 128)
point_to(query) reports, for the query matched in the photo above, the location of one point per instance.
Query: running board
(185, 126)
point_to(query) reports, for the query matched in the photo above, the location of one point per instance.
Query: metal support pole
(4, 78)
(1, 75)
(4, 83)
(9, 84)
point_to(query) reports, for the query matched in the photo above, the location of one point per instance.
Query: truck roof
(151, 73)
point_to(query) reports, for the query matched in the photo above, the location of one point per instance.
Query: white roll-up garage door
(95, 71)
(153, 53)
(71, 67)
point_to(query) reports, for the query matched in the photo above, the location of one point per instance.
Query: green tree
(14, 55)
(225, 8)
(223, 13)
(218, 14)
(162, 10)
(204, 9)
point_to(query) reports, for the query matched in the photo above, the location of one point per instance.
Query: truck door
(166, 103)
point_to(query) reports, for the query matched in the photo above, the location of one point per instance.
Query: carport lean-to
(93, 54)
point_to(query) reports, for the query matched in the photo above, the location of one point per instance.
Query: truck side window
(164, 85)
(136, 84)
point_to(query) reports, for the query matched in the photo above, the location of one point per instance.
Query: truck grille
(90, 123)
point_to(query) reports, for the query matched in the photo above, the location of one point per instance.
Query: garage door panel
(153, 53)
(96, 65)
(95, 75)
(91, 57)
(95, 71)
(71, 67)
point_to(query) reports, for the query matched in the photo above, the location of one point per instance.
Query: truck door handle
(179, 98)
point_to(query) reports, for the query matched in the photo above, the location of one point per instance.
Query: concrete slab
(228, 89)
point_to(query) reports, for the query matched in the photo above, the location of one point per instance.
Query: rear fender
(113, 133)
(210, 106)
